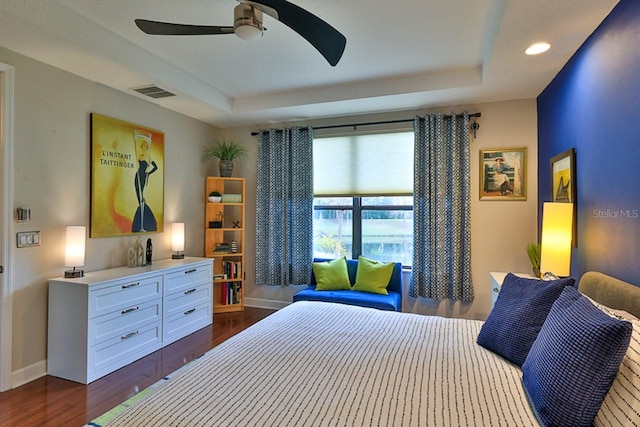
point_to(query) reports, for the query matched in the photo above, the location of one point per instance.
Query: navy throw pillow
(574, 360)
(518, 314)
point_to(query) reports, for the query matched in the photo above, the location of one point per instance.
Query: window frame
(356, 222)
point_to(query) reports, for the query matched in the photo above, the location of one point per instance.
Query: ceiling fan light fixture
(248, 32)
(247, 22)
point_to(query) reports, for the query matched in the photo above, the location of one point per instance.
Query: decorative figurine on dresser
(149, 251)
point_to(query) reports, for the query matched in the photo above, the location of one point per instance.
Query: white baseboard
(265, 303)
(28, 374)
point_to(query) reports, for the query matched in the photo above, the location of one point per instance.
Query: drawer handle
(190, 291)
(193, 270)
(130, 285)
(129, 335)
(496, 290)
(129, 310)
(189, 311)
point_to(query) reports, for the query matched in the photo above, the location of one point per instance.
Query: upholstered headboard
(612, 292)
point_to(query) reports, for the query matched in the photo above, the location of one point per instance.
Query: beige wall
(500, 229)
(52, 177)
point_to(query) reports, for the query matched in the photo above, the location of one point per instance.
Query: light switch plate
(25, 239)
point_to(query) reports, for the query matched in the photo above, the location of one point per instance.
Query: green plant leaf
(533, 251)
(224, 150)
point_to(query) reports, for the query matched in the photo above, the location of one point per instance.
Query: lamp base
(177, 256)
(73, 273)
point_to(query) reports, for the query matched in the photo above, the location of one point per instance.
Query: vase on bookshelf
(234, 247)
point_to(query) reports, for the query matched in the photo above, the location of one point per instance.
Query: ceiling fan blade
(169, 29)
(326, 39)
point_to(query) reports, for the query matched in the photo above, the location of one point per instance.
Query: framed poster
(563, 177)
(563, 183)
(503, 174)
(127, 178)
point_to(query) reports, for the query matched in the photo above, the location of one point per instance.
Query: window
(364, 205)
(379, 228)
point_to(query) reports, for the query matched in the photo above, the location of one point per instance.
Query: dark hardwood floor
(51, 401)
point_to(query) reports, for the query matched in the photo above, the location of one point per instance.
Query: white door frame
(6, 216)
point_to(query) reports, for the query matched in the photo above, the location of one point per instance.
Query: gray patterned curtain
(284, 207)
(441, 208)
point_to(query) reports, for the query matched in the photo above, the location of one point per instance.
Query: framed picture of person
(127, 178)
(563, 183)
(503, 174)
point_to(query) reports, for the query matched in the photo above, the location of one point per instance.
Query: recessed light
(537, 48)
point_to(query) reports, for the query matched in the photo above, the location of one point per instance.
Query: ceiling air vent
(153, 91)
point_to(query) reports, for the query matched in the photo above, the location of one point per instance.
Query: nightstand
(496, 283)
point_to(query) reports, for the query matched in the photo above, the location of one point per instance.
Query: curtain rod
(355, 125)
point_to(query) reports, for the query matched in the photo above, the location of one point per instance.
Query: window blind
(363, 165)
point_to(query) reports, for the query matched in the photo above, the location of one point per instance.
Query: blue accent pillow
(574, 360)
(518, 314)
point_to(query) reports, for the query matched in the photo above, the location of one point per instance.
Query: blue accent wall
(593, 105)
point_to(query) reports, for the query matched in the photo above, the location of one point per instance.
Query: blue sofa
(391, 302)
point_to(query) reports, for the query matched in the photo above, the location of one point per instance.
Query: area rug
(114, 412)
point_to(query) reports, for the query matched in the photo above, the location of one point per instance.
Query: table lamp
(74, 250)
(557, 222)
(177, 240)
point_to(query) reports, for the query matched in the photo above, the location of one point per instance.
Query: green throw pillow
(332, 275)
(373, 276)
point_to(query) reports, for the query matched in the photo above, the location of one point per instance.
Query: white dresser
(109, 318)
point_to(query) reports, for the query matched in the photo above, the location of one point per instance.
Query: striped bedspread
(323, 364)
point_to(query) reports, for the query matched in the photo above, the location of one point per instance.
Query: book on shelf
(231, 293)
(222, 248)
(232, 269)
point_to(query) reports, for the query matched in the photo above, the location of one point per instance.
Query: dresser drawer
(118, 351)
(187, 299)
(186, 321)
(177, 281)
(124, 294)
(118, 323)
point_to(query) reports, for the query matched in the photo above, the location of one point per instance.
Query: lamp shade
(75, 246)
(177, 236)
(555, 248)
(248, 32)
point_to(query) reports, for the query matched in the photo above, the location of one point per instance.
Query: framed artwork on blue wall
(563, 183)
(563, 177)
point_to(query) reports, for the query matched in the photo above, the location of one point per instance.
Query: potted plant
(217, 224)
(533, 250)
(215, 197)
(226, 151)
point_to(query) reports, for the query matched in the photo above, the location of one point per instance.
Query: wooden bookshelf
(228, 284)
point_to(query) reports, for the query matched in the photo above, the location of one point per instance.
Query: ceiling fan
(248, 26)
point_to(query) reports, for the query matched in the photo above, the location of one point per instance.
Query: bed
(326, 364)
